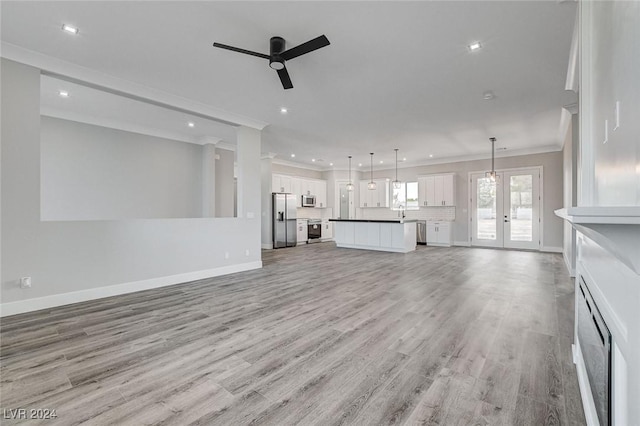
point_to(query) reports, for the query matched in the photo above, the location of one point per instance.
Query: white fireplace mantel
(616, 229)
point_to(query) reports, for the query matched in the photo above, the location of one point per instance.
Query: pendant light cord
(371, 153)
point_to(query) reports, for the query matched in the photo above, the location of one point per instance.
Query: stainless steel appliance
(421, 232)
(284, 220)
(308, 201)
(595, 345)
(314, 230)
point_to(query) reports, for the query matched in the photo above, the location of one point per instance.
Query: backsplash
(427, 213)
(310, 213)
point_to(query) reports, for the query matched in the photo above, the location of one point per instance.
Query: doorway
(344, 201)
(505, 212)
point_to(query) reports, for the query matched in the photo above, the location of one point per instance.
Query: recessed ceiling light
(283, 110)
(359, 164)
(70, 29)
(476, 45)
(331, 164)
(313, 159)
(293, 156)
(381, 161)
(430, 155)
(488, 95)
(191, 124)
(63, 93)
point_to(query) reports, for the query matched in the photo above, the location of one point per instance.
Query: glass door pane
(521, 208)
(486, 212)
(521, 216)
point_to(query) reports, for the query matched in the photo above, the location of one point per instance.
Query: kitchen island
(383, 235)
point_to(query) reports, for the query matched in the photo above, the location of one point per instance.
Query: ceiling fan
(277, 55)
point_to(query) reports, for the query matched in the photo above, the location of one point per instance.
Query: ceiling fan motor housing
(276, 47)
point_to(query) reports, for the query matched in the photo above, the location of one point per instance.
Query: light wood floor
(320, 335)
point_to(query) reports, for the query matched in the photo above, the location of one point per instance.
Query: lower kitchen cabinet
(327, 230)
(439, 234)
(301, 227)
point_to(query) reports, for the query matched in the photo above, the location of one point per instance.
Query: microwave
(308, 201)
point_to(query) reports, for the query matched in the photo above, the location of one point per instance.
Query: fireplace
(595, 345)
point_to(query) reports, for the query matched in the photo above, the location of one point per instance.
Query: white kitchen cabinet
(307, 187)
(439, 234)
(280, 183)
(302, 231)
(378, 197)
(296, 190)
(436, 190)
(301, 186)
(320, 187)
(327, 229)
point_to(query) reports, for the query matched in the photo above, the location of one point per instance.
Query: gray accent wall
(96, 173)
(79, 256)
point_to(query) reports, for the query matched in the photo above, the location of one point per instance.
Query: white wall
(87, 257)
(609, 175)
(282, 169)
(224, 183)
(611, 63)
(569, 182)
(95, 173)
(552, 192)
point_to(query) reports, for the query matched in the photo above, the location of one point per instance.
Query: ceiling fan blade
(237, 49)
(307, 47)
(285, 79)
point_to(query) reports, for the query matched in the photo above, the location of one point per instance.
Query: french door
(505, 212)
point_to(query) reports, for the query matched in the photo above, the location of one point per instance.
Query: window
(405, 197)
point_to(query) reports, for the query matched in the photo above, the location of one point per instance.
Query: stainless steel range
(314, 233)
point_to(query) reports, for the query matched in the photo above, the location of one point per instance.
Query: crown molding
(74, 73)
(444, 160)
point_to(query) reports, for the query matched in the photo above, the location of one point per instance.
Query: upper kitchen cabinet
(301, 186)
(280, 183)
(321, 193)
(378, 197)
(437, 190)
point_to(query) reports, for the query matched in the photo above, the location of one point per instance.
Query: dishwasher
(421, 232)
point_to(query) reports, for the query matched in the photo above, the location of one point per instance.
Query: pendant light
(350, 184)
(396, 183)
(492, 174)
(371, 185)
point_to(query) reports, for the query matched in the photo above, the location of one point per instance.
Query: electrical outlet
(226, 254)
(25, 282)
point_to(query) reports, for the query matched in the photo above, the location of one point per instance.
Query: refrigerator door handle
(280, 216)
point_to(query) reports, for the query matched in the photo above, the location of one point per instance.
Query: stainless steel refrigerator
(284, 220)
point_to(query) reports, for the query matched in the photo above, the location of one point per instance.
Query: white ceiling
(396, 75)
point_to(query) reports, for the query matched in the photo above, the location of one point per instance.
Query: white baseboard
(462, 243)
(267, 246)
(549, 249)
(36, 304)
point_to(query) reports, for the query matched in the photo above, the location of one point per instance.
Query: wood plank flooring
(319, 336)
